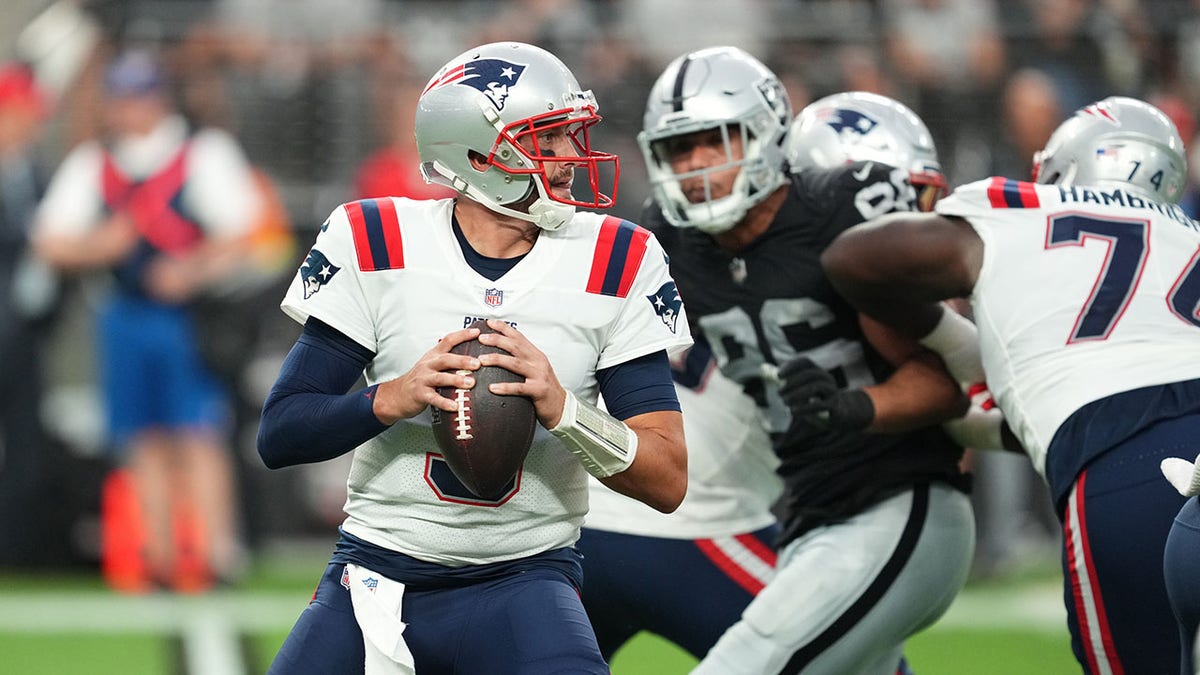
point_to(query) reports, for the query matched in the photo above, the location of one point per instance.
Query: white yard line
(209, 625)
(101, 612)
(211, 644)
(1037, 607)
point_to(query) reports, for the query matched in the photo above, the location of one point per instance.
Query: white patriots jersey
(389, 273)
(1083, 293)
(732, 482)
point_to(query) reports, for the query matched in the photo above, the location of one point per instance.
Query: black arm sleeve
(308, 415)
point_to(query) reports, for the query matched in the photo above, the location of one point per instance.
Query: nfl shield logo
(494, 297)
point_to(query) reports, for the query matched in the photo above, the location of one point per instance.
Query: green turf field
(71, 625)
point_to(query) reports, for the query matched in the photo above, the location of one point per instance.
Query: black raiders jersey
(771, 303)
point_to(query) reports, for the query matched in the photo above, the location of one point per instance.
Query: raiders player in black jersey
(878, 532)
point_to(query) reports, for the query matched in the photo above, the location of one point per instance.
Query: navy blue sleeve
(308, 415)
(639, 386)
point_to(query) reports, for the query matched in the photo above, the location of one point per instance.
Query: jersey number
(879, 198)
(1128, 248)
(744, 345)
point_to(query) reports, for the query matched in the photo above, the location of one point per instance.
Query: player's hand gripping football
(408, 395)
(815, 399)
(526, 360)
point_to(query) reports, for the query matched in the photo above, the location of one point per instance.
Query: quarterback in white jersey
(396, 498)
(426, 575)
(1085, 288)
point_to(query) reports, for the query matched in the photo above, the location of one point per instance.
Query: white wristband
(604, 444)
(956, 339)
(979, 429)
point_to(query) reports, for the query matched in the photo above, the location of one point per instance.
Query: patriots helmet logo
(667, 304)
(315, 272)
(849, 123)
(492, 77)
(1101, 110)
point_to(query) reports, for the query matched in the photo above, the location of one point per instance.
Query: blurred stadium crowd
(319, 94)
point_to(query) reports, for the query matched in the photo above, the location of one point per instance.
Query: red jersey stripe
(995, 193)
(1028, 192)
(633, 260)
(390, 222)
(620, 248)
(362, 243)
(604, 247)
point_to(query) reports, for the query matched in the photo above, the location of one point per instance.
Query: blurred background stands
(309, 88)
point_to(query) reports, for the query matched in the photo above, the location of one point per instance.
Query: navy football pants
(681, 589)
(1115, 524)
(532, 623)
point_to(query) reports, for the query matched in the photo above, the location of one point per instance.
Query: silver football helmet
(859, 126)
(725, 89)
(496, 103)
(1118, 142)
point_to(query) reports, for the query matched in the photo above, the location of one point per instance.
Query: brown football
(486, 441)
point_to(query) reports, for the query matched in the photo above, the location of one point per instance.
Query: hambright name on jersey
(1117, 197)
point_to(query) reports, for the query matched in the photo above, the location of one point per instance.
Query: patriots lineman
(1086, 292)
(427, 576)
(878, 532)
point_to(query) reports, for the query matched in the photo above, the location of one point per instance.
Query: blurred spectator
(616, 71)
(392, 171)
(1031, 112)
(1064, 44)
(299, 76)
(27, 295)
(550, 24)
(952, 54)
(664, 29)
(1176, 107)
(166, 210)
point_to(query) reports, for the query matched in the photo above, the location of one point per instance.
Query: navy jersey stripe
(1011, 196)
(374, 227)
(620, 247)
(616, 259)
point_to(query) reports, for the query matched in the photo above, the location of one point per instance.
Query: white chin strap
(544, 212)
(550, 215)
(547, 216)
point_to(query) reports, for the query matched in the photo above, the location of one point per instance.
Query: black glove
(816, 401)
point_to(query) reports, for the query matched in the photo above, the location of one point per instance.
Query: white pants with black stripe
(845, 597)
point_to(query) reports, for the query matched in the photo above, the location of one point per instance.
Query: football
(487, 439)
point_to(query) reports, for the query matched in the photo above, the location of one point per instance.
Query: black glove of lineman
(815, 400)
